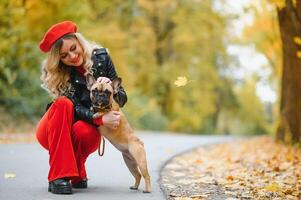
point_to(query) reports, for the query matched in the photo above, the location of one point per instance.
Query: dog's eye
(107, 92)
(94, 91)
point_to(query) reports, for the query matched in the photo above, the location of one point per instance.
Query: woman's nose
(72, 55)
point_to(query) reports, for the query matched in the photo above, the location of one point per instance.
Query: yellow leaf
(272, 187)
(279, 3)
(183, 198)
(289, 157)
(276, 168)
(181, 81)
(198, 161)
(231, 198)
(9, 175)
(233, 193)
(230, 178)
(297, 40)
(298, 54)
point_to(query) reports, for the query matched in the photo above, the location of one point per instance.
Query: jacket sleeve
(82, 112)
(120, 97)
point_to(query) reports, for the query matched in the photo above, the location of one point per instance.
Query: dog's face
(101, 94)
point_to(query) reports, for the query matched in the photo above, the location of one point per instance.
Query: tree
(264, 35)
(151, 42)
(289, 16)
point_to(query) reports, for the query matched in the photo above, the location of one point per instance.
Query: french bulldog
(123, 137)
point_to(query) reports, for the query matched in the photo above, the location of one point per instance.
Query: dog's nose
(105, 102)
(99, 97)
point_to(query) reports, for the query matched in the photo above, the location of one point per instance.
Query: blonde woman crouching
(67, 129)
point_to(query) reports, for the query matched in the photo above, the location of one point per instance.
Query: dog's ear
(90, 81)
(116, 83)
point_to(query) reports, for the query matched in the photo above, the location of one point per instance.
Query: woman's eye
(63, 56)
(73, 48)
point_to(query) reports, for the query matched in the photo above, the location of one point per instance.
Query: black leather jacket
(80, 96)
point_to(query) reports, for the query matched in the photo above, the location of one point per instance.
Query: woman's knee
(86, 136)
(41, 132)
(84, 131)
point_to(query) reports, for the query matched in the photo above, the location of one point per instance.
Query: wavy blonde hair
(55, 74)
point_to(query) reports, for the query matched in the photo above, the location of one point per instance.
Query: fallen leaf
(198, 161)
(276, 168)
(230, 178)
(178, 174)
(288, 191)
(256, 169)
(9, 175)
(274, 187)
(289, 157)
(231, 193)
(183, 198)
(199, 196)
(290, 197)
(181, 81)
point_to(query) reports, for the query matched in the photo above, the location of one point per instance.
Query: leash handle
(101, 143)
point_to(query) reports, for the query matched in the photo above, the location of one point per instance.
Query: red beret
(55, 32)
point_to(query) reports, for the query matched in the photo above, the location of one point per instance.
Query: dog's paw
(133, 188)
(144, 191)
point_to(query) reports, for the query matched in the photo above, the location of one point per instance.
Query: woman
(67, 130)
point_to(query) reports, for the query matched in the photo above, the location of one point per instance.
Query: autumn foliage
(254, 169)
(152, 43)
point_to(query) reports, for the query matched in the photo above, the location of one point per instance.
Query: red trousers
(69, 144)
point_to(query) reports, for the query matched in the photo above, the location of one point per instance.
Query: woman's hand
(103, 79)
(111, 119)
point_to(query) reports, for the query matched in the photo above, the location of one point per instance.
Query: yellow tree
(264, 34)
(281, 45)
(181, 47)
(157, 43)
(22, 26)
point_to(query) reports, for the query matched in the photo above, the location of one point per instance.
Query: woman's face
(71, 52)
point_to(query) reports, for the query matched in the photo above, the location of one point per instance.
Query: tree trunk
(289, 18)
(164, 34)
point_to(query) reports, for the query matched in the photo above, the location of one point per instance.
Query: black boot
(60, 186)
(82, 184)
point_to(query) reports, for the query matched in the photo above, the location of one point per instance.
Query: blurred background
(229, 51)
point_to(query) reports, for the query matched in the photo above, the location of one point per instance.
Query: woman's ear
(116, 83)
(90, 81)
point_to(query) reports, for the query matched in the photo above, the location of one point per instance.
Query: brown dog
(123, 137)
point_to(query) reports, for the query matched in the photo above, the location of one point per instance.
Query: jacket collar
(76, 78)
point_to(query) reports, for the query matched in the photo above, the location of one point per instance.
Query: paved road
(109, 178)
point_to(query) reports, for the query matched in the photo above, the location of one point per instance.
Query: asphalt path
(109, 179)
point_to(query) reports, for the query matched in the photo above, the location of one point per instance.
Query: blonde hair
(55, 74)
